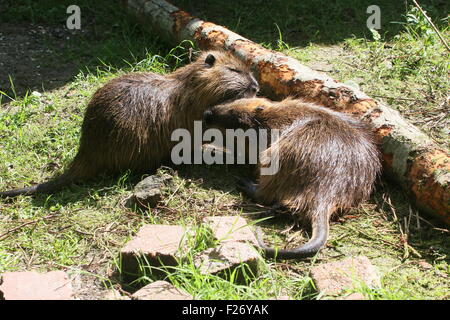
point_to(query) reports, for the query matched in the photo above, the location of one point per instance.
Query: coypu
(328, 162)
(129, 121)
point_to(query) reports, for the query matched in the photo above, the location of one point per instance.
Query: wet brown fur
(328, 160)
(129, 121)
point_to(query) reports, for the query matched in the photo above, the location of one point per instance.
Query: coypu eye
(234, 70)
(210, 59)
(259, 108)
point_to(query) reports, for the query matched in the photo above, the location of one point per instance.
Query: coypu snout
(220, 116)
(254, 86)
(217, 114)
(242, 113)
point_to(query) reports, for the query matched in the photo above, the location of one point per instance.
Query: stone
(148, 192)
(226, 257)
(231, 228)
(113, 294)
(334, 277)
(160, 290)
(354, 296)
(29, 285)
(425, 265)
(156, 245)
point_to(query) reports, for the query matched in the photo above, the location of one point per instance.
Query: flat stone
(425, 265)
(354, 296)
(113, 294)
(148, 192)
(231, 228)
(334, 277)
(281, 298)
(226, 257)
(156, 245)
(29, 285)
(161, 290)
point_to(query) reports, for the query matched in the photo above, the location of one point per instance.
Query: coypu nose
(207, 117)
(254, 88)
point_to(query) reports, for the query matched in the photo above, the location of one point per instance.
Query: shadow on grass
(87, 192)
(303, 22)
(39, 53)
(425, 233)
(209, 177)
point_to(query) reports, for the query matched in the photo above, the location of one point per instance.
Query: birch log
(413, 160)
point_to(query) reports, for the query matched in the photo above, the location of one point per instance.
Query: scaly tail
(46, 187)
(320, 227)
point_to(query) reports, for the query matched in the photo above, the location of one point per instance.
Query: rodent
(128, 122)
(328, 162)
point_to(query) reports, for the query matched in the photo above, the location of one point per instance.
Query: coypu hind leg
(248, 187)
(320, 227)
(319, 221)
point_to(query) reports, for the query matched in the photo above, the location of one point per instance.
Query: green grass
(82, 228)
(303, 22)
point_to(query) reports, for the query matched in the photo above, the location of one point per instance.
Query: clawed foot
(247, 187)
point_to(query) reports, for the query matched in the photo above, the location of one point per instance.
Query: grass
(82, 228)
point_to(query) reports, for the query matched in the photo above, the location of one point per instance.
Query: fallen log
(413, 160)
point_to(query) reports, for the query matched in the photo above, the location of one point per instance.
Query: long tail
(320, 227)
(46, 187)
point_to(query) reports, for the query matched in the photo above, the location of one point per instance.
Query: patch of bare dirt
(34, 57)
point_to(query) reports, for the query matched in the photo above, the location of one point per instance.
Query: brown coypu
(328, 162)
(129, 121)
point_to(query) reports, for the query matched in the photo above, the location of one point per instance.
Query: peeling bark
(411, 158)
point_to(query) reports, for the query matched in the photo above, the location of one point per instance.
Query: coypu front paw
(247, 187)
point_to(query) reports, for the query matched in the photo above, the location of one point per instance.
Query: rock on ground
(160, 290)
(334, 277)
(228, 256)
(113, 294)
(148, 192)
(157, 245)
(231, 228)
(28, 285)
(354, 296)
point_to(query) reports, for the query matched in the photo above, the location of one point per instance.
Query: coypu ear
(210, 59)
(259, 108)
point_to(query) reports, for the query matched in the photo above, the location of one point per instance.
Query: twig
(7, 233)
(387, 199)
(173, 193)
(432, 24)
(417, 217)
(396, 98)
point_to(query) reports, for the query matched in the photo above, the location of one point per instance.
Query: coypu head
(218, 76)
(242, 113)
(259, 113)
